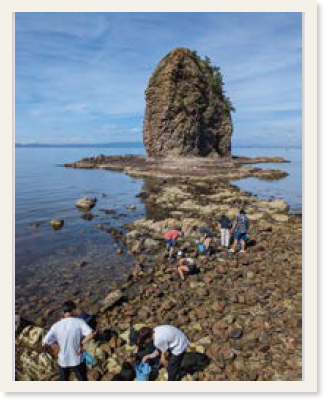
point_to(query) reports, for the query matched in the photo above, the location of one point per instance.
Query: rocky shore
(211, 168)
(243, 311)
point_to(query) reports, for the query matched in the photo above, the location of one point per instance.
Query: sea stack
(187, 112)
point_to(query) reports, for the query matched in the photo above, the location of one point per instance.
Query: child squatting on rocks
(186, 265)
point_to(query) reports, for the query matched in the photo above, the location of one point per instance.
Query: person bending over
(206, 238)
(171, 239)
(166, 338)
(68, 334)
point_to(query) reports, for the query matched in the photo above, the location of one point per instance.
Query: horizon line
(37, 144)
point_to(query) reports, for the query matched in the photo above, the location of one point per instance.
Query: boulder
(31, 335)
(111, 299)
(280, 217)
(86, 203)
(56, 224)
(88, 216)
(151, 244)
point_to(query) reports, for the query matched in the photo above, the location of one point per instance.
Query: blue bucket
(201, 248)
(142, 371)
(90, 360)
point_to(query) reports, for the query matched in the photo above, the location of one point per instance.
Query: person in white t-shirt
(166, 338)
(68, 334)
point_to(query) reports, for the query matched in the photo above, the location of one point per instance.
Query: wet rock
(213, 351)
(196, 285)
(108, 211)
(86, 203)
(56, 224)
(35, 225)
(94, 375)
(280, 217)
(151, 244)
(144, 314)
(218, 306)
(79, 264)
(111, 300)
(221, 269)
(87, 216)
(236, 333)
(202, 292)
(250, 274)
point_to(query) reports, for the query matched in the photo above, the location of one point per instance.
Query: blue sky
(81, 77)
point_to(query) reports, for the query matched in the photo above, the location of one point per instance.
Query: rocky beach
(243, 311)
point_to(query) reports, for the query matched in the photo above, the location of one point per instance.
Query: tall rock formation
(187, 112)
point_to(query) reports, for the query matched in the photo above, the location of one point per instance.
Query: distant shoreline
(129, 145)
(87, 145)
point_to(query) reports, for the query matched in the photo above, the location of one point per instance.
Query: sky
(81, 77)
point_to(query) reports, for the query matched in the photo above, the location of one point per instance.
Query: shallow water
(289, 188)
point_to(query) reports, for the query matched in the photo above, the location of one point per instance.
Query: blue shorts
(171, 243)
(240, 236)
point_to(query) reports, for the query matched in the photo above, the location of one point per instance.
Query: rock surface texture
(187, 112)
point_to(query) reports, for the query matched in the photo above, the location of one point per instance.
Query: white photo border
(308, 8)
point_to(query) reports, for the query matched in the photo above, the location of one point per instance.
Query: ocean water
(46, 261)
(289, 188)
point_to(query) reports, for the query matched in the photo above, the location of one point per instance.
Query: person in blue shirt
(240, 229)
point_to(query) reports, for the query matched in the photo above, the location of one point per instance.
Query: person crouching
(166, 338)
(187, 265)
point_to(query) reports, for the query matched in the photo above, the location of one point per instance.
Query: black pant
(174, 365)
(80, 371)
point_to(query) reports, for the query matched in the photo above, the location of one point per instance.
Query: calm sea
(45, 262)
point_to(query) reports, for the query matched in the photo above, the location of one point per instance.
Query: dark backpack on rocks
(193, 362)
(127, 373)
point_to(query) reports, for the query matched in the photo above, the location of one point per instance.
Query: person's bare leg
(235, 245)
(171, 251)
(181, 271)
(207, 243)
(242, 245)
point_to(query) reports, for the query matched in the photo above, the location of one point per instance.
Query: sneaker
(231, 250)
(242, 251)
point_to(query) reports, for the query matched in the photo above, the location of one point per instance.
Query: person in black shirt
(206, 238)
